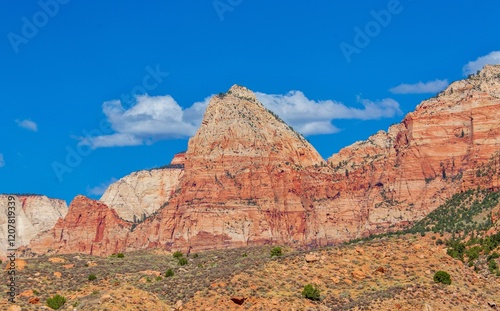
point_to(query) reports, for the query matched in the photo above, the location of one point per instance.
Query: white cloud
(99, 190)
(27, 124)
(154, 118)
(473, 66)
(420, 87)
(311, 117)
(2, 161)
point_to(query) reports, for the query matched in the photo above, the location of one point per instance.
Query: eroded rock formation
(250, 179)
(89, 227)
(34, 214)
(138, 195)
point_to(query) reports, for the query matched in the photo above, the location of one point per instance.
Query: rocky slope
(138, 195)
(34, 214)
(243, 181)
(249, 179)
(448, 144)
(90, 227)
(394, 273)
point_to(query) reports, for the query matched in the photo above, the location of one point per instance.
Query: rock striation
(89, 227)
(243, 182)
(34, 214)
(450, 143)
(140, 194)
(250, 179)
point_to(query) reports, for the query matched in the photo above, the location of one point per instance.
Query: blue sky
(94, 90)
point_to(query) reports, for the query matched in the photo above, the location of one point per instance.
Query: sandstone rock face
(138, 195)
(179, 159)
(249, 179)
(90, 227)
(448, 144)
(242, 183)
(34, 214)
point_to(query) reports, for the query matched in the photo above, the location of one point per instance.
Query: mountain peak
(242, 92)
(490, 71)
(236, 124)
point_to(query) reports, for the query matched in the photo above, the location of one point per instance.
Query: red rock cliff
(250, 179)
(448, 144)
(243, 182)
(89, 227)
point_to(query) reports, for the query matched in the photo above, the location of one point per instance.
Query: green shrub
(276, 251)
(158, 278)
(442, 277)
(493, 255)
(120, 255)
(311, 292)
(182, 261)
(92, 277)
(473, 252)
(492, 265)
(195, 255)
(169, 273)
(177, 254)
(56, 302)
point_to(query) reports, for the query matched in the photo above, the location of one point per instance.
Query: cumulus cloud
(2, 161)
(27, 124)
(154, 118)
(311, 117)
(420, 87)
(472, 67)
(150, 119)
(99, 190)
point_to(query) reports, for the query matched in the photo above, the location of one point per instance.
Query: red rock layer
(89, 227)
(250, 179)
(179, 159)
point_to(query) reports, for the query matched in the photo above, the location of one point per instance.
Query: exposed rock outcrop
(140, 194)
(33, 214)
(448, 144)
(90, 227)
(243, 181)
(249, 179)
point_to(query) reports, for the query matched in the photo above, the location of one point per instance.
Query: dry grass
(385, 274)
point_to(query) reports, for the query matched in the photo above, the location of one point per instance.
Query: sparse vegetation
(311, 292)
(169, 273)
(92, 277)
(276, 251)
(177, 255)
(442, 277)
(56, 302)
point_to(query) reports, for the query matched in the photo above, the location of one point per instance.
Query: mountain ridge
(249, 179)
